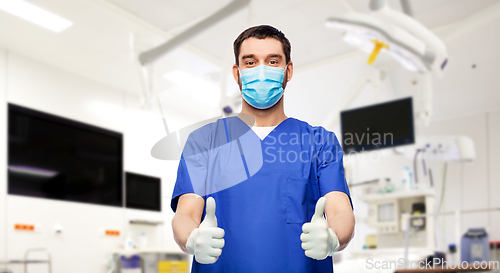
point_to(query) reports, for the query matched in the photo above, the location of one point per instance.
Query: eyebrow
(275, 56)
(272, 55)
(249, 56)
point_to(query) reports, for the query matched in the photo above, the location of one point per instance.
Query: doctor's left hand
(318, 240)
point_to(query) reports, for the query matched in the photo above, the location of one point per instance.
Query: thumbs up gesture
(206, 241)
(318, 240)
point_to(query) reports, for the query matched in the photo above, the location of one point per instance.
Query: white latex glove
(206, 241)
(318, 240)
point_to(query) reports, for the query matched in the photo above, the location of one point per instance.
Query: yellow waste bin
(172, 267)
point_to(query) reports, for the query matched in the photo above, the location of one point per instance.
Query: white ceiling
(97, 46)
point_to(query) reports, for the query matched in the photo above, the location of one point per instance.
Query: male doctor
(270, 196)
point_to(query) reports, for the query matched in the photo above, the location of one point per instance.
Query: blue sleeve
(330, 165)
(192, 171)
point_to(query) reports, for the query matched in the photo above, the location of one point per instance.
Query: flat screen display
(58, 158)
(377, 126)
(143, 192)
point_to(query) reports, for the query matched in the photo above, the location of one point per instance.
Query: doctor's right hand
(206, 241)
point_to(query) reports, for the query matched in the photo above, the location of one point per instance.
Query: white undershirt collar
(262, 132)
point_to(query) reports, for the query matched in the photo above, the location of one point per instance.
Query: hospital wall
(81, 248)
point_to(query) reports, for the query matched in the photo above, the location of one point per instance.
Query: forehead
(261, 47)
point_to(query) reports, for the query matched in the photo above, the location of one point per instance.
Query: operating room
(369, 143)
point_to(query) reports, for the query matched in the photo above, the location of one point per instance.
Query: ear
(236, 74)
(289, 69)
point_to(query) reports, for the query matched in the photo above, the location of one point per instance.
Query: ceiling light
(35, 15)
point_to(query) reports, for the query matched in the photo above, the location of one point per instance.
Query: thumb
(210, 219)
(320, 209)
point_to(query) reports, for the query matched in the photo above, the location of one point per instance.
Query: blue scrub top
(264, 190)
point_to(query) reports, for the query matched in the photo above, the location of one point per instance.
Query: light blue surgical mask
(261, 86)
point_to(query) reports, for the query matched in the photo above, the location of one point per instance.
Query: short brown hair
(262, 32)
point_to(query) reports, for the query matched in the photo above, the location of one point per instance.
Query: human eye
(273, 62)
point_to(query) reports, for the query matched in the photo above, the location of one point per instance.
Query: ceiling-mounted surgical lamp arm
(406, 6)
(154, 54)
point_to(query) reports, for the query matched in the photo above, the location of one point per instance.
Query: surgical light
(410, 43)
(35, 14)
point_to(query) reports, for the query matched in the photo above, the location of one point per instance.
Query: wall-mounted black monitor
(377, 126)
(143, 192)
(58, 158)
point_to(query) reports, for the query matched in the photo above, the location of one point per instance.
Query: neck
(267, 117)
